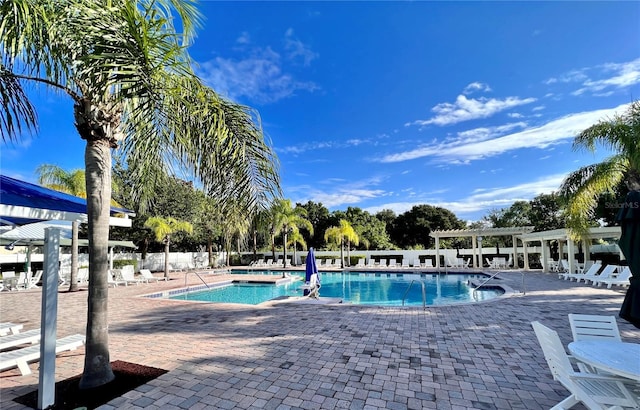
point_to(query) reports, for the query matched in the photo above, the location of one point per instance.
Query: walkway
(285, 356)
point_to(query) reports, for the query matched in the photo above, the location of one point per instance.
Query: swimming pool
(361, 288)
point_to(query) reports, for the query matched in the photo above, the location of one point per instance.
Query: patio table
(619, 358)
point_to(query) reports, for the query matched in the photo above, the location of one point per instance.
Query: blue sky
(386, 105)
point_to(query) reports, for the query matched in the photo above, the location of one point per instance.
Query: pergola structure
(476, 239)
(563, 236)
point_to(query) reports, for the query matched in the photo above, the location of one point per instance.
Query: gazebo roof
(455, 233)
(563, 234)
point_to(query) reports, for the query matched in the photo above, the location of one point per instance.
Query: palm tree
(295, 238)
(286, 218)
(70, 182)
(163, 228)
(582, 188)
(340, 235)
(73, 183)
(125, 67)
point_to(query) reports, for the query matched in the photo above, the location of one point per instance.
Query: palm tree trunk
(348, 253)
(342, 254)
(255, 245)
(284, 245)
(97, 366)
(73, 285)
(166, 258)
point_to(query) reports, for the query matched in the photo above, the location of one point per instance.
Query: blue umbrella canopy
(310, 267)
(629, 243)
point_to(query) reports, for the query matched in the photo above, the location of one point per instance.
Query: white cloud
(297, 49)
(259, 77)
(339, 192)
(554, 132)
(465, 109)
(476, 86)
(244, 38)
(621, 76)
(483, 199)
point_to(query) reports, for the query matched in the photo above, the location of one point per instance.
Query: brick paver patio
(287, 356)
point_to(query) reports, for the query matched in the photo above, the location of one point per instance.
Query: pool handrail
(424, 293)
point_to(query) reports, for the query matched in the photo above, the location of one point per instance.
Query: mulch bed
(69, 396)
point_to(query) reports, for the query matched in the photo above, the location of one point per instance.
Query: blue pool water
(384, 289)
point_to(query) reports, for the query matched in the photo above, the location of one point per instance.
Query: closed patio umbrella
(629, 219)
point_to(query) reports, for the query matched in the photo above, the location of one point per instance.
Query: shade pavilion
(476, 236)
(564, 237)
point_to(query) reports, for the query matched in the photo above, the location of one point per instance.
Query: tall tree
(296, 238)
(341, 235)
(163, 228)
(412, 228)
(286, 218)
(582, 188)
(125, 66)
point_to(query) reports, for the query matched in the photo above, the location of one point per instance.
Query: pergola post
(514, 240)
(474, 247)
(544, 256)
(437, 252)
(525, 254)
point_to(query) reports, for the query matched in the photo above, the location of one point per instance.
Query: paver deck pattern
(323, 356)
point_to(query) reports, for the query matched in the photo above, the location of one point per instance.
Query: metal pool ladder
(424, 293)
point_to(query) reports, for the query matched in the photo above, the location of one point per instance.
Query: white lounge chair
(593, 270)
(360, 263)
(114, 277)
(392, 263)
(147, 276)
(83, 276)
(405, 264)
(33, 281)
(593, 390)
(8, 327)
(606, 273)
(428, 263)
(621, 279)
(371, 263)
(20, 358)
(129, 277)
(30, 336)
(382, 264)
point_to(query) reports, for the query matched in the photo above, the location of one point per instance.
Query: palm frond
(18, 114)
(582, 188)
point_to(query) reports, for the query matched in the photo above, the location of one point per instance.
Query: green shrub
(119, 263)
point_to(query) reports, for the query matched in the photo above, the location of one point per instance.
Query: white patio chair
(392, 263)
(594, 327)
(371, 263)
(360, 263)
(593, 390)
(405, 264)
(382, 264)
(428, 263)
